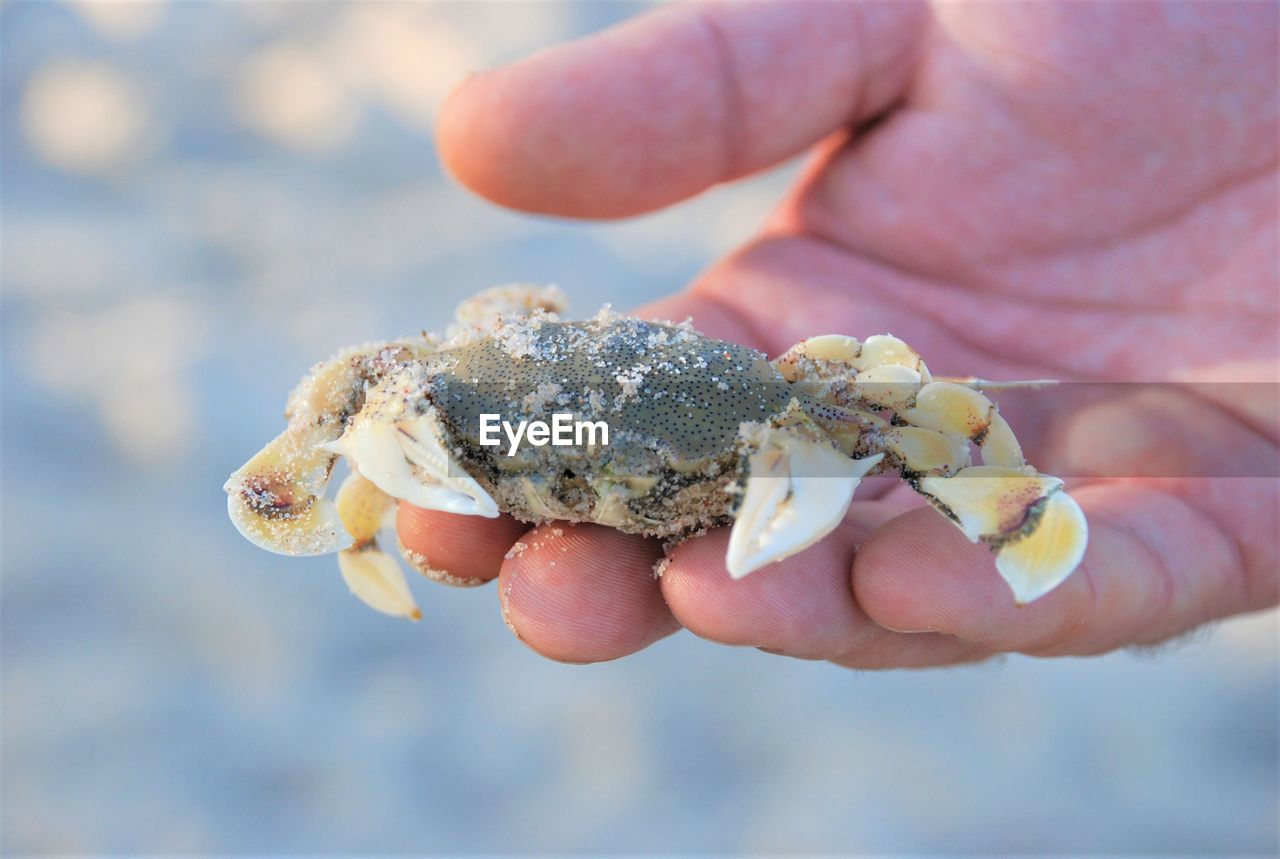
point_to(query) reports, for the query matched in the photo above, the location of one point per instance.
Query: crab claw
(797, 492)
(276, 499)
(1037, 531)
(371, 574)
(378, 581)
(407, 459)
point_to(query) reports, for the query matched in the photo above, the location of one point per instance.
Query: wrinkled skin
(1082, 191)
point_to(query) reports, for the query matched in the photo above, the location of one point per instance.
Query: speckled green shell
(673, 400)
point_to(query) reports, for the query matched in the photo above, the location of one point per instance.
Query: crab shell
(673, 402)
(702, 433)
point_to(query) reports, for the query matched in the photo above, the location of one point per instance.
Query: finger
(802, 606)
(584, 593)
(1157, 565)
(667, 104)
(453, 549)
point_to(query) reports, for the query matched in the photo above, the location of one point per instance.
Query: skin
(1084, 191)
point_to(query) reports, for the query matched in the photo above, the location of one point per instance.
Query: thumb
(669, 103)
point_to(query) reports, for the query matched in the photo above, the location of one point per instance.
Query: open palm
(1085, 191)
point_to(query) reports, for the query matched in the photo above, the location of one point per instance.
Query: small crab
(702, 433)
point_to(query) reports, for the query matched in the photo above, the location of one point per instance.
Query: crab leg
(938, 443)
(835, 355)
(371, 574)
(884, 372)
(797, 491)
(276, 499)
(915, 450)
(1037, 531)
(965, 413)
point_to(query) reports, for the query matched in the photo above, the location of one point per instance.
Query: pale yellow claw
(276, 499)
(797, 492)
(371, 574)
(1038, 532)
(1039, 562)
(379, 582)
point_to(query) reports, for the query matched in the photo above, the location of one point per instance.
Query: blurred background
(200, 199)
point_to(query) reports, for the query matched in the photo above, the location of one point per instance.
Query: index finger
(665, 105)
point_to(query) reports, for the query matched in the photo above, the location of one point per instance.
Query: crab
(703, 433)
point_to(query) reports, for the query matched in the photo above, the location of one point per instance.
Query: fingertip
(706, 600)
(451, 125)
(583, 593)
(562, 133)
(454, 549)
(476, 138)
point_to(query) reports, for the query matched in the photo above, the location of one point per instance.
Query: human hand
(1018, 190)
